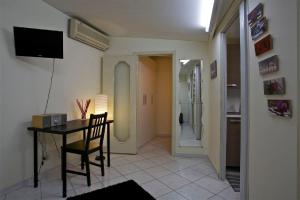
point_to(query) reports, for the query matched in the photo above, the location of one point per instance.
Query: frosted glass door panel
(122, 102)
(119, 84)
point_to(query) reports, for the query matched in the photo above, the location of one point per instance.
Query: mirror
(190, 118)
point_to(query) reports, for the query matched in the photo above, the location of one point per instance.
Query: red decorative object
(264, 45)
(83, 108)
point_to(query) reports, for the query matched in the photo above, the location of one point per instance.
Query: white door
(119, 83)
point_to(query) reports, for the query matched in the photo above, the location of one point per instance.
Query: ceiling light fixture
(184, 61)
(206, 7)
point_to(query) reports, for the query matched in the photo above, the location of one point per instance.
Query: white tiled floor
(188, 137)
(163, 176)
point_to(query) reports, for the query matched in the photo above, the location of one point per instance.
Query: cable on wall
(50, 87)
(43, 142)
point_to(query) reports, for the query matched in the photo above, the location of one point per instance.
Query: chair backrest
(96, 128)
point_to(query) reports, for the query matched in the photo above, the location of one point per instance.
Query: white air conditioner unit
(88, 35)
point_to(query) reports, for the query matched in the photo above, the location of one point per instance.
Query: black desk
(71, 127)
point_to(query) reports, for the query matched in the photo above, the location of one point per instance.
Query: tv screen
(38, 43)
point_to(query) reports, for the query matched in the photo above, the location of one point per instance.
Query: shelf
(232, 85)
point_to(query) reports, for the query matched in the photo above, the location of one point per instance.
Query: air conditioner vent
(88, 35)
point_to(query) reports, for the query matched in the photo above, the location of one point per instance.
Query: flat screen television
(38, 43)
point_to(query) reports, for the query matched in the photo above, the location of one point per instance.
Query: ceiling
(233, 33)
(167, 19)
(188, 67)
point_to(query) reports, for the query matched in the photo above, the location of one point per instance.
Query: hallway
(162, 175)
(187, 137)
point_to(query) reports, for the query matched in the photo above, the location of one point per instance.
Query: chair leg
(61, 162)
(82, 162)
(88, 174)
(102, 162)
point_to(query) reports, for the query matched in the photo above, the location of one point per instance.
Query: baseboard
(25, 182)
(186, 155)
(163, 135)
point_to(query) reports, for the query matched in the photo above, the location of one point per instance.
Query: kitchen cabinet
(233, 141)
(233, 65)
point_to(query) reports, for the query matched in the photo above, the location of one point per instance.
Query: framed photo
(264, 45)
(256, 14)
(269, 65)
(274, 86)
(259, 28)
(213, 70)
(280, 108)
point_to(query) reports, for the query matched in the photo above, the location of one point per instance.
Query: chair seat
(79, 146)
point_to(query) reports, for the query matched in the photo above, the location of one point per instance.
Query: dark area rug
(233, 177)
(125, 190)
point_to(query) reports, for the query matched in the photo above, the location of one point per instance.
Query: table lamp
(100, 103)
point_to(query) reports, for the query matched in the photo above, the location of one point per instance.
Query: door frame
(298, 5)
(242, 12)
(173, 124)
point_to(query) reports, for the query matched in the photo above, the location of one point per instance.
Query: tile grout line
(194, 182)
(160, 152)
(175, 192)
(174, 172)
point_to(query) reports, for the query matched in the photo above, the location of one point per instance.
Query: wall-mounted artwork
(274, 86)
(213, 70)
(264, 45)
(256, 14)
(280, 107)
(259, 28)
(269, 65)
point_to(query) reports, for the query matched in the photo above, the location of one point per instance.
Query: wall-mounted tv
(38, 43)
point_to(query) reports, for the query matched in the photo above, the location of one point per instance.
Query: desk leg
(64, 165)
(108, 145)
(35, 159)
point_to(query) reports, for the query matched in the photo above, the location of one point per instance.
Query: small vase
(83, 116)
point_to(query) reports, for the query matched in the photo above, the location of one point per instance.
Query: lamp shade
(100, 104)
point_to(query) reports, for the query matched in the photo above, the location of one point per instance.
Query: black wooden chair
(91, 143)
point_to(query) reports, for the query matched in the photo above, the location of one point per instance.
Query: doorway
(154, 98)
(233, 106)
(240, 94)
(190, 101)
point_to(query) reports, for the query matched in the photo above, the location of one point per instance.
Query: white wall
(164, 96)
(273, 140)
(1, 75)
(24, 83)
(213, 150)
(298, 101)
(147, 110)
(182, 49)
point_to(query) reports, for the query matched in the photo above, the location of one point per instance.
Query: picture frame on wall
(274, 86)
(256, 14)
(213, 70)
(280, 108)
(264, 45)
(269, 65)
(259, 28)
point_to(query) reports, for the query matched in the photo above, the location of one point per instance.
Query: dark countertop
(233, 115)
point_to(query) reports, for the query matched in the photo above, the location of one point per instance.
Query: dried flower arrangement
(83, 107)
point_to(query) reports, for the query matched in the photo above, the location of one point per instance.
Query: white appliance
(86, 34)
